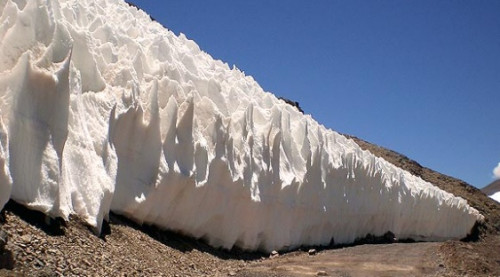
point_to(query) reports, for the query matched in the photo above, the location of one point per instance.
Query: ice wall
(102, 109)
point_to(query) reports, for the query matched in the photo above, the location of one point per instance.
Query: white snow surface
(496, 196)
(104, 110)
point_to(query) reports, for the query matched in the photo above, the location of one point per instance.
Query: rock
(4, 238)
(26, 239)
(312, 252)
(87, 263)
(274, 254)
(6, 260)
(321, 273)
(389, 237)
(292, 103)
(39, 263)
(232, 273)
(6, 257)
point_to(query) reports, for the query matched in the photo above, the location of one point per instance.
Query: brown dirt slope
(492, 188)
(41, 248)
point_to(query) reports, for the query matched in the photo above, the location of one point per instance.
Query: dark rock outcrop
(6, 257)
(292, 103)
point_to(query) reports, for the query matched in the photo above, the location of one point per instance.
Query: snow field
(496, 196)
(103, 110)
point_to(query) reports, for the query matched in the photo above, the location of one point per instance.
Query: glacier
(103, 109)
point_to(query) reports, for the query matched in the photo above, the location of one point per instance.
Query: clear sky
(419, 77)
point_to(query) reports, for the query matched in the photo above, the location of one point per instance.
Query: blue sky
(418, 77)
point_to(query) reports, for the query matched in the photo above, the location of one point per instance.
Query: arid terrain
(492, 188)
(39, 248)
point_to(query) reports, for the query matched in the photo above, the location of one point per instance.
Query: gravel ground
(127, 250)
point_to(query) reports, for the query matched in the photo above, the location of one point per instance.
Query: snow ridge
(495, 196)
(103, 109)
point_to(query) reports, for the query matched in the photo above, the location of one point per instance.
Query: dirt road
(398, 259)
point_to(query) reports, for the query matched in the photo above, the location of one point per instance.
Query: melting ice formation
(104, 110)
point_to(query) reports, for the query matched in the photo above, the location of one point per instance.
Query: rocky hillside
(492, 188)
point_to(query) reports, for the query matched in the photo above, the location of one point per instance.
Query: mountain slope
(493, 190)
